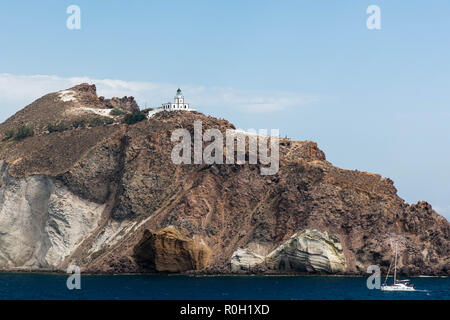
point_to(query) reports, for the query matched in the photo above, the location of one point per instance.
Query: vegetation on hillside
(95, 122)
(100, 121)
(134, 117)
(79, 124)
(117, 112)
(23, 132)
(57, 127)
(9, 134)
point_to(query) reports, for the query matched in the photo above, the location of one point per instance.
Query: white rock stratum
(41, 221)
(307, 251)
(245, 259)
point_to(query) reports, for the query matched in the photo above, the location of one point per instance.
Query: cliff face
(102, 197)
(41, 221)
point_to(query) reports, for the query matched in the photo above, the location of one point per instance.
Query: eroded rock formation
(308, 251)
(168, 251)
(245, 260)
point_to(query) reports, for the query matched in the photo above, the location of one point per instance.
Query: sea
(19, 286)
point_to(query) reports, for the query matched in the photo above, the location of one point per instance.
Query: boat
(398, 285)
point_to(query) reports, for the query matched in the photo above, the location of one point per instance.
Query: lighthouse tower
(177, 104)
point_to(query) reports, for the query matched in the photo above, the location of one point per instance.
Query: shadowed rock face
(124, 175)
(168, 251)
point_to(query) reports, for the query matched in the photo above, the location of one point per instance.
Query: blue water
(50, 286)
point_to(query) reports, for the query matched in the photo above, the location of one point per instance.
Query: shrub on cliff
(8, 134)
(79, 124)
(57, 127)
(100, 121)
(24, 131)
(95, 122)
(117, 112)
(107, 120)
(136, 116)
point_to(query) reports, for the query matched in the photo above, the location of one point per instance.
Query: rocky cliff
(108, 198)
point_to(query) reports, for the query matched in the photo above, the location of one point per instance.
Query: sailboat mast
(395, 266)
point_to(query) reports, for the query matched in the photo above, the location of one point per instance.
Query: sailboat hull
(397, 288)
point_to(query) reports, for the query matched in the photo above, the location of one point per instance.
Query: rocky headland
(89, 189)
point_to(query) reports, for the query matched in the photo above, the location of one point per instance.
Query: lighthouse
(177, 104)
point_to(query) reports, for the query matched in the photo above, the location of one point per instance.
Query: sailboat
(398, 285)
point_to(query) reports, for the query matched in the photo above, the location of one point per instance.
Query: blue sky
(375, 100)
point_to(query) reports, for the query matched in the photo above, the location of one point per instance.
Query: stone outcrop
(309, 251)
(86, 94)
(245, 260)
(168, 251)
(125, 103)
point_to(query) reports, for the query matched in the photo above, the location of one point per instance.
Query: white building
(177, 104)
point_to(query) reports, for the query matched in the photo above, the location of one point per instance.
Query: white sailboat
(398, 285)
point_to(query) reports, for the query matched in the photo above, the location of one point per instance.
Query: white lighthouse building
(177, 104)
